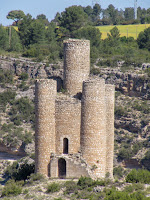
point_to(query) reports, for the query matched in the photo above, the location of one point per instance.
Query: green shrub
(84, 194)
(148, 71)
(36, 177)
(129, 189)
(27, 137)
(102, 182)
(7, 97)
(23, 86)
(7, 127)
(95, 71)
(117, 94)
(142, 106)
(53, 187)
(138, 186)
(146, 160)
(120, 111)
(12, 135)
(118, 172)
(22, 109)
(11, 188)
(84, 182)
(25, 191)
(23, 76)
(113, 194)
(125, 154)
(19, 171)
(138, 176)
(70, 187)
(6, 77)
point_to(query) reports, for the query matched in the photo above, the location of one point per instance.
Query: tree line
(96, 15)
(43, 40)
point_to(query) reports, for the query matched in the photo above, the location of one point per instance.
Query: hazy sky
(51, 7)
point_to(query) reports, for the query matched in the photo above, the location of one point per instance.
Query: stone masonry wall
(68, 121)
(93, 125)
(45, 92)
(109, 98)
(73, 169)
(76, 64)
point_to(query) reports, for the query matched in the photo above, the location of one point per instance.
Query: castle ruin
(74, 136)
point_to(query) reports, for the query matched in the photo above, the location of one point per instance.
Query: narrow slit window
(65, 146)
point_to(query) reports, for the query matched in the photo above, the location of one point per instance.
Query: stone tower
(45, 94)
(93, 125)
(76, 64)
(109, 100)
(75, 137)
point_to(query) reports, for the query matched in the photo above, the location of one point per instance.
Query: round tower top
(50, 84)
(76, 42)
(94, 81)
(45, 81)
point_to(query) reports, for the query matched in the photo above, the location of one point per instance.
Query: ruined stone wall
(68, 120)
(45, 92)
(74, 169)
(76, 64)
(109, 98)
(93, 125)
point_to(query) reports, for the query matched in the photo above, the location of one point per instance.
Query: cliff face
(132, 83)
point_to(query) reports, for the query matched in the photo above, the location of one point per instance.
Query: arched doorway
(65, 146)
(61, 168)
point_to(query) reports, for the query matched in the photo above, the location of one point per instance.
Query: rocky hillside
(132, 109)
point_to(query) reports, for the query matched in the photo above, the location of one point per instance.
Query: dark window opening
(61, 168)
(65, 146)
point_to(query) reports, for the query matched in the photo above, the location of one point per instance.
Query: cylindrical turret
(68, 121)
(93, 126)
(76, 64)
(45, 93)
(109, 97)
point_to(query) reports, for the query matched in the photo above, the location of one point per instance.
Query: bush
(22, 109)
(146, 160)
(13, 135)
(120, 111)
(23, 86)
(113, 194)
(36, 177)
(95, 71)
(18, 171)
(136, 176)
(53, 187)
(84, 182)
(7, 97)
(125, 154)
(102, 182)
(11, 188)
(70, 187)
(118, 172)
(143, 106)
(84, 194)
(6, 77)
(23, 76)
(148, 71)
